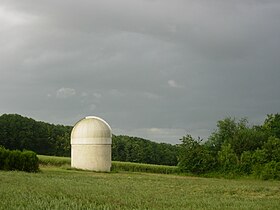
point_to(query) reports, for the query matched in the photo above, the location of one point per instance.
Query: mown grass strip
(116, 165)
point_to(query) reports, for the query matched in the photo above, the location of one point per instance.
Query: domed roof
(91, 130)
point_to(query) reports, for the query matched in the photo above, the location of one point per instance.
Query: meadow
(65, 162)
(58, 187)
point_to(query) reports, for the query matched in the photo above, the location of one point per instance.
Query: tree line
(23, 133)
(135, 149)
(235, 148)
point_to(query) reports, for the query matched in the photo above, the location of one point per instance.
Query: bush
(245, 165)
(3, 155)
(17, 160)
(227, 159)
(13, 161)
(271, 170)
(272, 147)
(30, 161)
(194, 157)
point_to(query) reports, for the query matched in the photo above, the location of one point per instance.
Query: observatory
(91, 140)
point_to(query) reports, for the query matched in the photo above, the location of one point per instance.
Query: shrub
(259, 156)
(13, 161)
(245, 166)
(271, 170)
(194, 157)
(3, 155)
(30, 161)
(227, 159)
(259, 159)
(17, 160)
(272, 146)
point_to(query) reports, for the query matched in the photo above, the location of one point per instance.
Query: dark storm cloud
(154, 69)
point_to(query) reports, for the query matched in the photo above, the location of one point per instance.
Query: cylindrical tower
(91, 140)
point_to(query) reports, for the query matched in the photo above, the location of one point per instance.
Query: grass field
(58, 188)
(116, 165)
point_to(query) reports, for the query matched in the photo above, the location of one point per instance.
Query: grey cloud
(65, 92)
(155, 69)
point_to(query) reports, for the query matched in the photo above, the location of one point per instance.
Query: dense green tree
(238, 147)
(235, 147)
(247, 139)
(134, 149)
(17, 132)
(272, 125)
(118, 149)
(226, 129)
(238, 134)
(272, 149)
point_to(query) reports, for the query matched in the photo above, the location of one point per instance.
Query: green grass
(116, 165)
(141, 167)
(58, 188)
(54, 160)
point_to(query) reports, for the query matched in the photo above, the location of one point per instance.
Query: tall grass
(58, 188)
(116, 165)
(140, 167)
(54, 160)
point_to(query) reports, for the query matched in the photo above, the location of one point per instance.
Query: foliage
(238, 134)
(240, 149)
(193, 157)
(247, 139)
(271, 170)
(226, 129)
(16, 160)
(17, 132)
(272, 125)
(272, 148)
(235, 147)
(227, 159)
(4, 154)
(134, 149)
(245, 165)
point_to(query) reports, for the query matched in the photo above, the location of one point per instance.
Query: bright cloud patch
(174, 84)
(65, 92)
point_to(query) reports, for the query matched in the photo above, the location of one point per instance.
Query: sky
(156, 69)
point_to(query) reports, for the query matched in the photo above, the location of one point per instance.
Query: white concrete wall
(91, 157)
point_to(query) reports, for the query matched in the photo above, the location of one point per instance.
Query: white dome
(91, 130)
